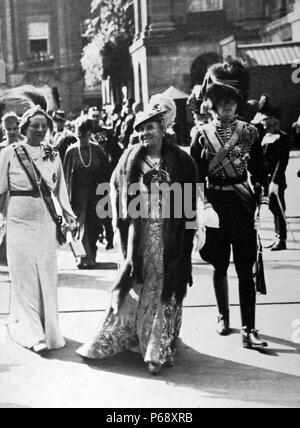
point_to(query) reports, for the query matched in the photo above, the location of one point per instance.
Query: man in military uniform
(62, 137)
(226, 151)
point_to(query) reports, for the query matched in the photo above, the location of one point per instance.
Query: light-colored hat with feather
(161, 109)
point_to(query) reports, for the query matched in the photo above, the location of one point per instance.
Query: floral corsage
(49, 153)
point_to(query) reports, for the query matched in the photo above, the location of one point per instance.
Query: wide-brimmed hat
(271, 111)
(148, 115)
(160, 108)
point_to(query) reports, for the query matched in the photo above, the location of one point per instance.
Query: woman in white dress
(31, 234)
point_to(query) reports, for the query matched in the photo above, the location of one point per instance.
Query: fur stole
(177, 240)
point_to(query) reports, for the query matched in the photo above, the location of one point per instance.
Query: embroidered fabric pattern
(240, 154)
(143, 320)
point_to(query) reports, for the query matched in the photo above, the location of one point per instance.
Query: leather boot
(252, 339)
(222, 295)
(223, 326)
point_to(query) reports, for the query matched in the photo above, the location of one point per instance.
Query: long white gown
(32, 249)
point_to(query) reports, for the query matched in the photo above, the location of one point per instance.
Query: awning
(266, 55)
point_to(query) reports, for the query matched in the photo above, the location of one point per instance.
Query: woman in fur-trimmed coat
(146, 309)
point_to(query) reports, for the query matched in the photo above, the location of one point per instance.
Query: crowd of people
(239, 156)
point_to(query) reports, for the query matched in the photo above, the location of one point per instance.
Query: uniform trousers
(236, 233)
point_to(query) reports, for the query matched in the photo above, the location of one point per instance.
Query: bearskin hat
(229, 80)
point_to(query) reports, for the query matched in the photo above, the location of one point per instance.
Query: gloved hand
(2, 220)
(115, 301)
(211, 218)
(200, 239)
(71, 222)
(274, 189)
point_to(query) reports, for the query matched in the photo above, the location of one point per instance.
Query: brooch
(49, 153)
(54, 178)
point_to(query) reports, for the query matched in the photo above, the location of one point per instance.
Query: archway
(200, 66)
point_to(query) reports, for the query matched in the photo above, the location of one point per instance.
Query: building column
(62, 31)
(10, 60)
(137, 18)
(160, 16)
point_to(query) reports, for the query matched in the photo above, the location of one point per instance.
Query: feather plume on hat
(25, 94)
(168, 106)
(33, 99)
(160, 108)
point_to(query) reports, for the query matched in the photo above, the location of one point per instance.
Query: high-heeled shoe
(40, 347)
(154, 368)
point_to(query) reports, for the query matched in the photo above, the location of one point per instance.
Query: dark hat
(117, 109)
(226, 81)
(59, 116)
(271, 111)
(84, 125)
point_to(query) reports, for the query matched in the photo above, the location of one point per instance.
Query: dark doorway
(200, 66)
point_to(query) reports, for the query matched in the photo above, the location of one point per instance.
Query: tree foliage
(110, 32)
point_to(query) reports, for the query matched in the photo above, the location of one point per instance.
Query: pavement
(210, 371)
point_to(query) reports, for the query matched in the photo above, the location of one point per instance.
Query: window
(205, 5)
(38, 35)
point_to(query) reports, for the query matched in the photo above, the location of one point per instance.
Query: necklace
(155, 163)
(82, 161)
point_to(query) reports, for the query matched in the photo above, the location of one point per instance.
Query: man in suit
(276, 147)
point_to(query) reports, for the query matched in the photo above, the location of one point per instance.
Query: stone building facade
(176, 40)
(41, 44)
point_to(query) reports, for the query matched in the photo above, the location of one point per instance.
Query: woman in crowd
(26, 168)
(146, 308)
(10, 126)
(86, 166)
(226, 151)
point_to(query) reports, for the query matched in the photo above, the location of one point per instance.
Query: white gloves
(2, 220)
(274, 189)
(211, 218)
(206, 217)
(200, 239)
